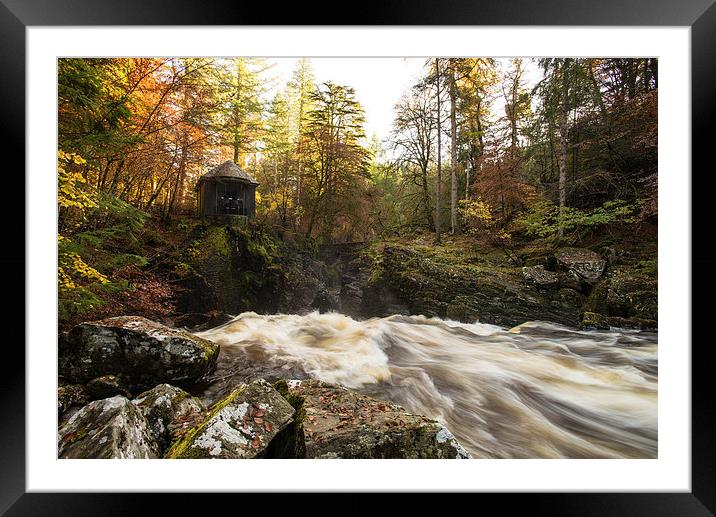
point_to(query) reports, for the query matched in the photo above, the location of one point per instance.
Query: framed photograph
(361, 250)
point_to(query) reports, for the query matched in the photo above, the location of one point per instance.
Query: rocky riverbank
(118, 415)
(578, 287)
(208, 273)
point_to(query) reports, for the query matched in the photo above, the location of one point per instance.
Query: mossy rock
(170, 413)
(595, 321)
(242, 425)
(632, 293)
(443, 284)
(143, 352)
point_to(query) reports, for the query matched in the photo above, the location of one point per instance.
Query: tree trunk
(426, 197)
(467, 181)
(438, 178)
(453, 155)
(563, 129)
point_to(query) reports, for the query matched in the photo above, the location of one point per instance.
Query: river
(538, 390)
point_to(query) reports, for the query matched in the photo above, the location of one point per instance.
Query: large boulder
(142, 352)
(170, 413)
(243, 425)
(586, 264)
(340, 423)
(109, 428)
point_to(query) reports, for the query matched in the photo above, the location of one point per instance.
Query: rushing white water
(535, 391)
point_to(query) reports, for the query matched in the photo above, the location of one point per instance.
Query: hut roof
(228, 169)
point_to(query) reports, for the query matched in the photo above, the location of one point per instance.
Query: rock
(326, 301)
(443, 284)
(141, 351)
(105, 387)
(170, 413)
(594, 321)
(340, 423)
(570, 280)
(202, 321)
(108, 428)
(588, 265)
(539, 276)
(242, 425)
(627, 298)
(631, 294)
(567, 298)
(70, 395)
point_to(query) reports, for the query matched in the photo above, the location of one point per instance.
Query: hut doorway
(230, 198)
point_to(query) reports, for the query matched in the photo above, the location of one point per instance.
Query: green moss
(597, 300)
(181, 448)
(591, 320)
(213, 242)
(75, 437)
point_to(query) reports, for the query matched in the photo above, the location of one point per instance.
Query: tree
(452, 79)
(240, 88)
(336, 161)
(299, 90)
(438, 178)
(413, 138)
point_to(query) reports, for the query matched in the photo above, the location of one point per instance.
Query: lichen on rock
(144, 352)
(108, 428)
(240, 426)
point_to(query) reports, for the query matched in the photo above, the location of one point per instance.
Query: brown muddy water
(538, 390)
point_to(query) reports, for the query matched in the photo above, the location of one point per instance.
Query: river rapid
(538, 390)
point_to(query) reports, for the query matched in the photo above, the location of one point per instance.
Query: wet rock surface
(340, 423)
(107, 428)
(141, 351)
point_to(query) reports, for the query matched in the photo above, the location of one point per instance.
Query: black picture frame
(700, 15)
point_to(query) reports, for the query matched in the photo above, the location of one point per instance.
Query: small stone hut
(227, 190)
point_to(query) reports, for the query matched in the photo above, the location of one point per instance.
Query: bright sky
(378, 82)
